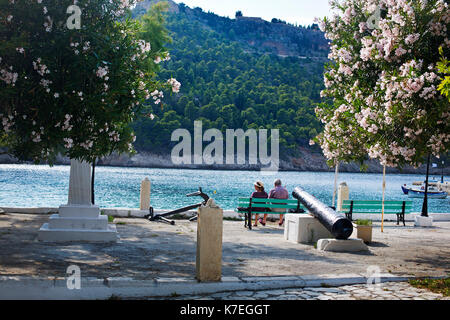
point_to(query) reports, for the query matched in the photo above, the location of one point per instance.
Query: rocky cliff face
(255, 33)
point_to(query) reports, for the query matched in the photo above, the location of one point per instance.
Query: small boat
(420, 186)
(433, 193)
(405, 189)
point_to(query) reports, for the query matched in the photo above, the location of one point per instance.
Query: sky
(301, 12)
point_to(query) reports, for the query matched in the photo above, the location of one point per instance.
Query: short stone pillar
(209, 243)
(343, 194)
(79, 220)
(145, 194)
(304, 228)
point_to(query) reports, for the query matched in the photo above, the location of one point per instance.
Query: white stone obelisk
(79, 220)
(80, 183)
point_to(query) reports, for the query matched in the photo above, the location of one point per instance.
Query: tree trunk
(336, 173)
(383, 187)
(425, 198)
(93, 181)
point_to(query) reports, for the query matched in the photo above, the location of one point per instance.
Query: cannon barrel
(339, 226)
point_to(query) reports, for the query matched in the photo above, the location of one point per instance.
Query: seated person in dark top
(258, 193)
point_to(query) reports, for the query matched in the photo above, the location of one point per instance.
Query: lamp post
(442, 176)
(425, 199)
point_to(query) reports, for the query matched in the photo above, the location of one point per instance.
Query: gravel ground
(149, 249)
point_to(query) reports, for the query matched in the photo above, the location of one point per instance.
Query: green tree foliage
(444, 68)
(227, 87)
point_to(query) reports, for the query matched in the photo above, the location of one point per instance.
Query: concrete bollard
(343, 194)
(209, 243)
(145, 194)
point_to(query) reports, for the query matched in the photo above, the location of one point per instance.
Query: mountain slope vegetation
(227, 85)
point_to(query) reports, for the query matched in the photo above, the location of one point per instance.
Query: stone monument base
(304, 228)
(349, 245)
(78, 223)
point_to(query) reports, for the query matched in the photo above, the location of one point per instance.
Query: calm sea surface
(42, 186)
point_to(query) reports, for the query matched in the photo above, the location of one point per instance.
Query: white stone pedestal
(420, 221)
(79, 220)
(304, 228)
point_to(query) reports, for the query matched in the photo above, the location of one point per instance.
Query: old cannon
(339, 226)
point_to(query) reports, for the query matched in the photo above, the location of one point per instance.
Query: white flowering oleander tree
(73, 91)
(383, 81)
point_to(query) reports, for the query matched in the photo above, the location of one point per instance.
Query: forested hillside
(229, 86)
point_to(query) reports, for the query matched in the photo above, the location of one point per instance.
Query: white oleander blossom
(101, 72)
(174, 84)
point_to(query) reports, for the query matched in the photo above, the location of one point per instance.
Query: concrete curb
(136, 213)
(27, 288)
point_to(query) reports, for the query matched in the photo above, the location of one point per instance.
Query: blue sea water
(44, 186)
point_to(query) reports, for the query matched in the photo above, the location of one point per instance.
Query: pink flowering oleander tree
(72, 85)
(382, 82)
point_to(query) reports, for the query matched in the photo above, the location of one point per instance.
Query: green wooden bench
(246, 206)
(400, 208)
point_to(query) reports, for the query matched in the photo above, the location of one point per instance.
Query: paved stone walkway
(385, 291)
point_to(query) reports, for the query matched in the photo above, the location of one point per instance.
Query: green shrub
(363, 222)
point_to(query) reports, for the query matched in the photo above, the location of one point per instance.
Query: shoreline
(389, 171)
(307, 161)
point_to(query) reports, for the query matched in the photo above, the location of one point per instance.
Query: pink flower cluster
(384, 80)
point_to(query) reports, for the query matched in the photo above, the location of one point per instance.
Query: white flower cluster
(36, 136)
(102, 73)
(48, 25)
(143, 48)
(7, 122)
(175, 85)
(68, 143)
(166, 57)
(9, 77)
(75, 46)
(66, 124)
(86, 46)
(41, 69)
(157, 96)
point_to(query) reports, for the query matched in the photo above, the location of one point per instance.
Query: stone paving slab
(20, 287)
(158, 258)
(149, 250)
(385, 291)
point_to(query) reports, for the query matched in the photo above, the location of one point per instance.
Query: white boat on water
(433, 193)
